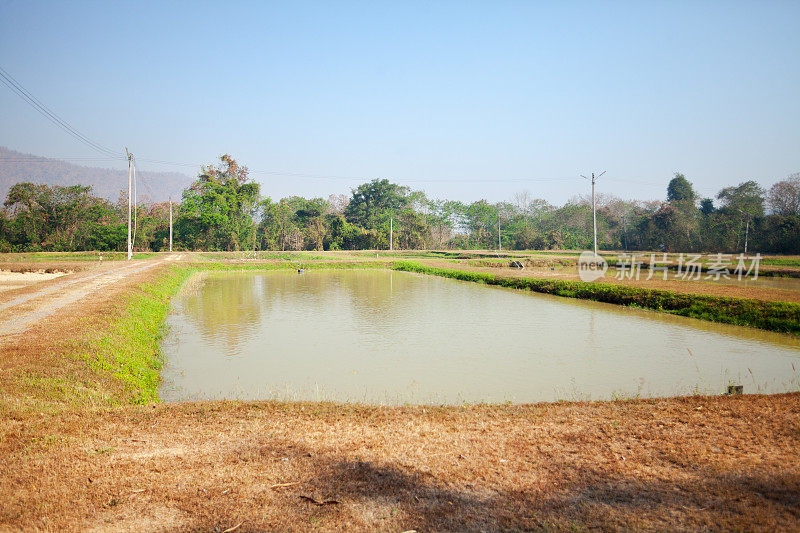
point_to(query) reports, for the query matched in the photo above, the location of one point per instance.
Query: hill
(106, 182)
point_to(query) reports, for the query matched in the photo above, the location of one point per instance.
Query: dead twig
(318, 502)
(281, 485)
(234, 528)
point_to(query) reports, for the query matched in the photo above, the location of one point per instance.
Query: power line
(113, 155)
(23, 93)
(34, 159)
(363, 178)
(46, 160)
(144, 181)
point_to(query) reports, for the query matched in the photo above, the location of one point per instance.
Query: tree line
(224, 210)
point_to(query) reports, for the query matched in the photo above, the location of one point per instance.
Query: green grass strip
(130, 349)
(782, 317)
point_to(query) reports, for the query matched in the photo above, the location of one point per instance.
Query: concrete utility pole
(594, 209)
(746, 231)
(130, 170)
(170, 223)
(391, 232)
(747, 228)
(499, 242)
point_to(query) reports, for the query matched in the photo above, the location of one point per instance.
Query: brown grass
(70, 463)
(59, 266)
(696, 463)
(688, 287)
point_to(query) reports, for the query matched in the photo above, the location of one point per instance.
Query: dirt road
(20, 309)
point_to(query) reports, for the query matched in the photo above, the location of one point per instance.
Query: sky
(462, 99)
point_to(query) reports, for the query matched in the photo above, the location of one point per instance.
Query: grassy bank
(771, 316)
(129, 349)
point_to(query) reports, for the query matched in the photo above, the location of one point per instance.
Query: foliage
(223, 210)
(217, 210)
(680, 190)
(55, 218)
(373, 202)
(746, 198)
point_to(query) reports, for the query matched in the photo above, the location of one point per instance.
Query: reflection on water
(393, 337)
(228, 310)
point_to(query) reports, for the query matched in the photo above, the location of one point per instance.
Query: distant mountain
(106, 182)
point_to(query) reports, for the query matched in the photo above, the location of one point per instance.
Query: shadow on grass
(355, 494)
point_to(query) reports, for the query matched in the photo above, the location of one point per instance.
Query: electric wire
(18, 89)
(36, 159)
(47, 160)
(113, 155)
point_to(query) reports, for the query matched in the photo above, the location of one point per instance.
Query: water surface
(381, 337)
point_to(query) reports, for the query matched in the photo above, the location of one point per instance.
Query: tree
(680, 190)
(784, 197)
(338, 203)
(412, 229)
(311, 217)
(59, 218)
(371, 203)
(747, 197)
(481, 220)
(706, 206)
(740, 205)
(217, 210)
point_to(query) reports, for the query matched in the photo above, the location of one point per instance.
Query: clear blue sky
(435, 95)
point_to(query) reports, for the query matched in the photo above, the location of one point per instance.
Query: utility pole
(130, 169)
(746, 232)
(499, 242)
(625, 231)
(594, 209)
(170, 223)
(747, 227)
(391, 232)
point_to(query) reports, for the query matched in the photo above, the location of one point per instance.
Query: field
(86, 444)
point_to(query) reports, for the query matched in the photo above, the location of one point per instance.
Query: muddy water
(394, 337)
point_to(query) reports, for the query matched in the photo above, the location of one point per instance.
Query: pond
(384, 337)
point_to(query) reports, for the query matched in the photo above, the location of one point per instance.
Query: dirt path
(20, 312)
